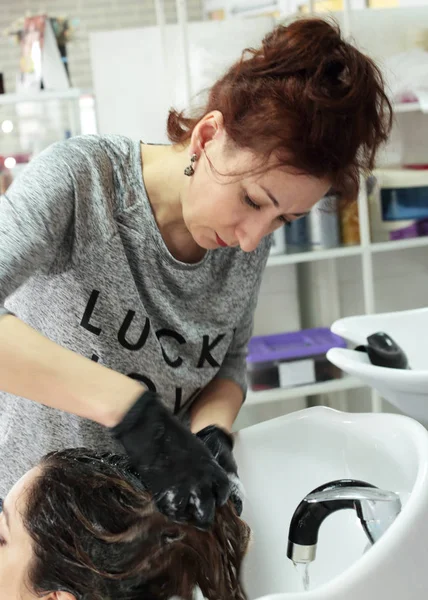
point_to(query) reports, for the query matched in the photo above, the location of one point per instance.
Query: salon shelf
(375, 247)
(311, 255)
(405, 107)
(44, 96)
(397, 177)
(399, 244)
(323, 387)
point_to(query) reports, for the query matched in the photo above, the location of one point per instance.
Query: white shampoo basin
(282, 460)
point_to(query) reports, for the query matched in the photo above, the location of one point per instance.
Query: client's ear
(59, 596)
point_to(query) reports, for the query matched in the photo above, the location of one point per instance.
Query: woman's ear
(210, 127)
(59, 596)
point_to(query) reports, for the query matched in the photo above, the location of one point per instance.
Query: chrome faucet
(376, 509)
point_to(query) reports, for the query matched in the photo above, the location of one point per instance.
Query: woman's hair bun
(306, 96)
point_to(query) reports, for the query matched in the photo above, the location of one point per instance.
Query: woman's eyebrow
(270, 196)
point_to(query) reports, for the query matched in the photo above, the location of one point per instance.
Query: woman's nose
(250, 234)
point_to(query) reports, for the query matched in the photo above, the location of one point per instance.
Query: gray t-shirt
(83, 262)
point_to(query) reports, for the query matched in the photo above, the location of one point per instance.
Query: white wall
(153, 73)
(278, 307)
(409, 3)
(382, 32)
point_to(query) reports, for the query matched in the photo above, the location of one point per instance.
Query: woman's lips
(220, 241)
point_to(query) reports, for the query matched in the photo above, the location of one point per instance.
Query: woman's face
(15, 546)
(239, 211)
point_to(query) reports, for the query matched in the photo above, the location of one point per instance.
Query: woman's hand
(184, 477)
(220, 444)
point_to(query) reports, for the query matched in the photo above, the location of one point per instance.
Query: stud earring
(190, 170)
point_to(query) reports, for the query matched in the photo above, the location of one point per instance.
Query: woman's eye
(251, 203)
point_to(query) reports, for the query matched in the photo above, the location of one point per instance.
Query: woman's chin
(204, 242)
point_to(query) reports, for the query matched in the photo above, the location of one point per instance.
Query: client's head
(81, 526)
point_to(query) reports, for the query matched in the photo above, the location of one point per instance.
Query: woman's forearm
(218, 404)
(34, 367)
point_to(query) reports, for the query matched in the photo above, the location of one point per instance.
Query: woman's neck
(166, 185)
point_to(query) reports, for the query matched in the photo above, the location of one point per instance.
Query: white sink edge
(333, 415)
(342, 358)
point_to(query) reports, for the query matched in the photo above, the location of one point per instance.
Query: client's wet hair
(97, 534)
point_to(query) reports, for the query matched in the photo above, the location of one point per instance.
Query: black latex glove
(220, 444)
(186, 481)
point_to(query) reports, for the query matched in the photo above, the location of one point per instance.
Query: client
(81, 526)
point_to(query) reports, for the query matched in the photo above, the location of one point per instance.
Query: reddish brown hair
(306, 97)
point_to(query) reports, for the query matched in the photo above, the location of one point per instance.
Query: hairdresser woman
(130, 271)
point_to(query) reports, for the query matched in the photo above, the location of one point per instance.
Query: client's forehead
(15, 502)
